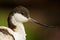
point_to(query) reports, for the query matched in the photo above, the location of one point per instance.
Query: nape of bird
(16, 30)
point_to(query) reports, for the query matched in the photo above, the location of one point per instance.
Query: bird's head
(21, 14)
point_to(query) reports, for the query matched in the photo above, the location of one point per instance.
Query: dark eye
(25, 14)
(22, 13)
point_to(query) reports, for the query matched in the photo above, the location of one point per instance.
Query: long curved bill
(34, 21)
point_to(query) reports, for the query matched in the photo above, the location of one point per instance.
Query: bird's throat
(19, 27)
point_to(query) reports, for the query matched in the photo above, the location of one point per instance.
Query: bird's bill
(35, 21)
(42, 24)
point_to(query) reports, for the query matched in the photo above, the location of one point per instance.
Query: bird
(16, 29)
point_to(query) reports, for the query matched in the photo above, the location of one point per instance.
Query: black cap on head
(22, 10)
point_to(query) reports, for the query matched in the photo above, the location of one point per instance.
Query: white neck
(19, 26)
(19, 31)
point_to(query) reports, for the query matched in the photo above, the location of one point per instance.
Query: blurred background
(45, 11)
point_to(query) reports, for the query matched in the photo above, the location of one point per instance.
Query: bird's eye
(22, 13)
(25, 14)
